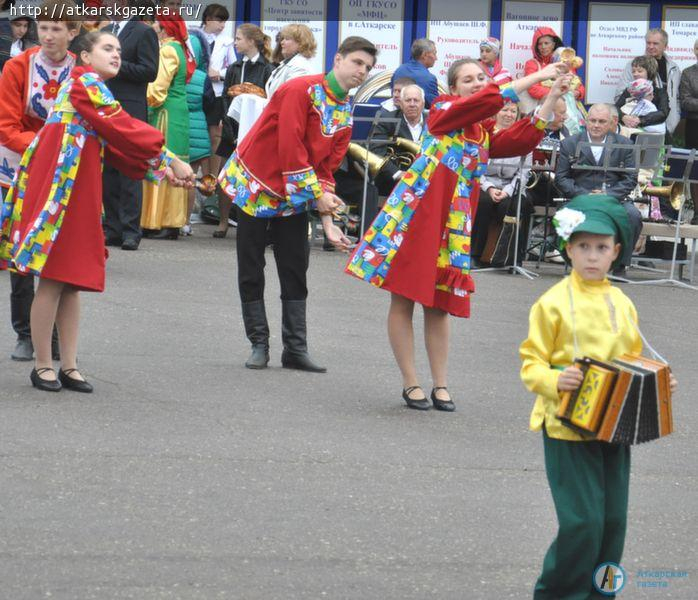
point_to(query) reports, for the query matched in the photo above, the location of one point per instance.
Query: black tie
(115, 28)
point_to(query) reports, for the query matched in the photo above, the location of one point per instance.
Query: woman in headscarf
(489, 59)
(165, 207)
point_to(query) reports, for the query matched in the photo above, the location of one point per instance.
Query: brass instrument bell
(361, 155)
(674, 193)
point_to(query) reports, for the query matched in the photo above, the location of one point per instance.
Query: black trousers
(21, 298)
(123, 200)
(291, 252)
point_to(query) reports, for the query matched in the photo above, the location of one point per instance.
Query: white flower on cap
(566, 220)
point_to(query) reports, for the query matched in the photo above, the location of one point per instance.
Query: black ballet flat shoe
(445, 405)
(416, 403)
(77, 385)
(47, 385)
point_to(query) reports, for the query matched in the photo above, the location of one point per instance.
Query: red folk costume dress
(51, 218)
(29, 84)
(419, 244)
(288, 158)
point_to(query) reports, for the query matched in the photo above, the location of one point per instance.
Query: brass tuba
(403, 152)
(361, 155)
(674, 193)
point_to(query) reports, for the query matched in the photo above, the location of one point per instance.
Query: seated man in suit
(410, 127)
(572, 181)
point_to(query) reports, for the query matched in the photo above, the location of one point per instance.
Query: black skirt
(215, 115)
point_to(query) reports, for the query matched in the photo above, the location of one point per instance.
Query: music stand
(687, 177)
(548, 167)
(515, 269)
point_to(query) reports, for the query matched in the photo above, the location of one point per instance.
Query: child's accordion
(626, 401)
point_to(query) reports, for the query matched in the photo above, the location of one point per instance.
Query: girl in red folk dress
(51, 221)
(418, 247)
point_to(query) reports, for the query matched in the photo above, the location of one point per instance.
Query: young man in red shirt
(281, 170)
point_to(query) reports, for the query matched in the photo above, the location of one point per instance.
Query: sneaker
(186, 230)
(554, 256)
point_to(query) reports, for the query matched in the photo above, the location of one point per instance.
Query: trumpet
(674, 193)
(362, 156)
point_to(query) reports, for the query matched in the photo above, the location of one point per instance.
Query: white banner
(615, 35)
(380, 21)
(519, 20)
(456, 39)
(277, 13)
(681, 23)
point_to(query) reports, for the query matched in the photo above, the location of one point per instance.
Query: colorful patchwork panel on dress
(29, 254)
(468, 159)
(333, 115)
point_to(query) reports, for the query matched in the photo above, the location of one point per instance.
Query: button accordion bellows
(625, 401)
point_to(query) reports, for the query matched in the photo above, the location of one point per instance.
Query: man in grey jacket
(668, 74)
(573, 181)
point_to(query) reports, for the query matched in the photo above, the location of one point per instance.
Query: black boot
(257, 331)
(294, 335)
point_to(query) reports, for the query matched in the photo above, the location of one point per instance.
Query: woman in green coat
(164, 206)
(200, 96)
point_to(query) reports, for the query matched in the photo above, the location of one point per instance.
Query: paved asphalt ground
(187, 476)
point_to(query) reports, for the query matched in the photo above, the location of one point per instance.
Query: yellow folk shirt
(602, 320)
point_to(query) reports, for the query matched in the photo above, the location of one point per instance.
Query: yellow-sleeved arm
(536, 352)
(636, 347)
(169, 63)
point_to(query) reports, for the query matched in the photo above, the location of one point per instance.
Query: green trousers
(589, 482)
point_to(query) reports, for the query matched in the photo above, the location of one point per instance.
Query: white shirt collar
(16, 48)
(253, 59)
(415, 130)
(209, 36)
(597, 151)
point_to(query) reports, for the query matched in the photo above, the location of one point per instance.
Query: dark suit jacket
(573, 182)
(140, 57)
(387, 130)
